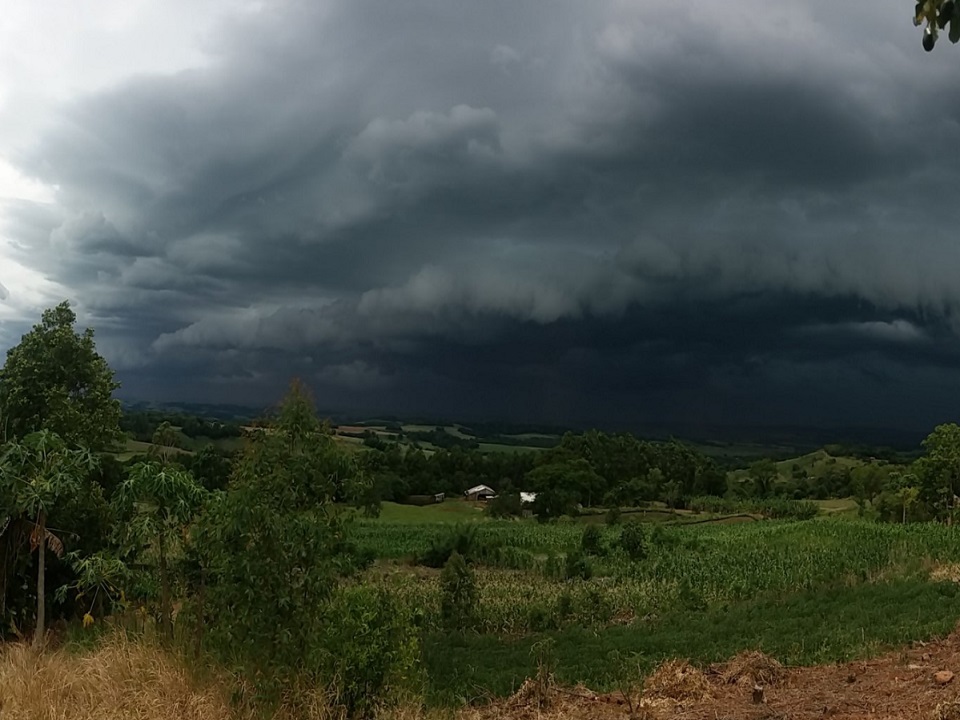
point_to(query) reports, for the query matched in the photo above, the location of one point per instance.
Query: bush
(369, 651)
(577, 567)
(505, 505)
(591, 542)
(613, 515)
(635, 540)
(458, 594)
(463, 539)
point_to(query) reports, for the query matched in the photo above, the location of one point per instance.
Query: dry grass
(677, 680)
(120, 679)
(134, 680)
(752, 668)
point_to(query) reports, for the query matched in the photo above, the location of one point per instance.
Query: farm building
(480, 492)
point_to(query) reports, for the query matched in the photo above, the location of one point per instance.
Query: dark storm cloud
(522, 210)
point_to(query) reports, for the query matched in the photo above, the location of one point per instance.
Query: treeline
(594, 469)
(142, 424)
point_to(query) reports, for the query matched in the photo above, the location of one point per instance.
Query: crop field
(811, 591)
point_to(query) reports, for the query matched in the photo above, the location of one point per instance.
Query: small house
(480, 492)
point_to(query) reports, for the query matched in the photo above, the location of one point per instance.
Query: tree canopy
(55, 380)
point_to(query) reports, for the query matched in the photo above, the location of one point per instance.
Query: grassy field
(449, 511)
(806, 592)
(826, 625)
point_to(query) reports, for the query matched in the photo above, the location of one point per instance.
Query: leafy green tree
(907, 496)
(36, 474)
(156, 502)
(763, 475)
(167, 440)
(938, 471)
(275, 544)
(55, 380)
(937, 15)
(211, 468)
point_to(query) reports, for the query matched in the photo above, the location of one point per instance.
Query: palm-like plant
(35, 474)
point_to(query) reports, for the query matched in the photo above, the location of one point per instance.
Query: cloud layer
(574, 212)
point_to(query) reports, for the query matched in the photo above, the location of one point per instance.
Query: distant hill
(721, 440)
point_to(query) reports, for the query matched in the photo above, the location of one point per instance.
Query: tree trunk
(201, 609)
(166, 612)
(41, 630)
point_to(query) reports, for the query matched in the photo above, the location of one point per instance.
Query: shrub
(613, 515)
(463, 540)
(635, 540)
(458, 588)
(591, 542)
(369, 651)
(505, 505)
(577, 567)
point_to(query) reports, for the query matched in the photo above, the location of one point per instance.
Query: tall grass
(118, 680)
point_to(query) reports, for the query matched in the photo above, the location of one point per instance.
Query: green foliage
(55, 380)
(39, 471)
(775, 508)
(462, 539)
(275, 544)
(505, 505)
(369, 650)
(155, 504)
(635, 540)
(938, 471)
(36, 474)
(458, 594)
(577, 566)
(839, 623)
(937, 14)
(591, 542)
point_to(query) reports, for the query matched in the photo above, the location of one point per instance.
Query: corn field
(686, 568)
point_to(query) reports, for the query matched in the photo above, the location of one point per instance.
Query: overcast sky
(719, 211)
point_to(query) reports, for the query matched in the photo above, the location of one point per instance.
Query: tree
(55, 380)
(165, 438)
(763, 475)
(274, 545)
(907, 496)
(939, 470)
(937, 14)
(36, 474)
(156, 502)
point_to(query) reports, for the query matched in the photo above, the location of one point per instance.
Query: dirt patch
(944, 573)
(898, 685)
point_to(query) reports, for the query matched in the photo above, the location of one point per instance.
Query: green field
(812, 591)
(449, 511)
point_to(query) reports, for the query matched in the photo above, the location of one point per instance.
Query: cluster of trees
(399, 472)
(254, 565)
(141, 425)
(593, 469)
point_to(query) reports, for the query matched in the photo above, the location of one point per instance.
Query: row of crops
(694, 567)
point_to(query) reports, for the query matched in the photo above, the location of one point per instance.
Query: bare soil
(901, 684)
